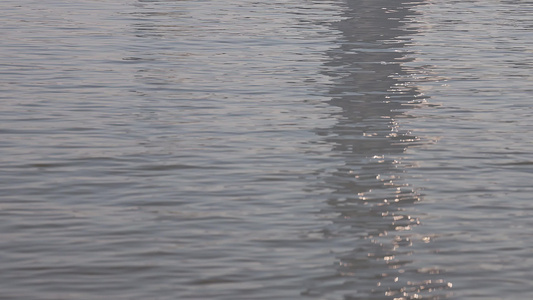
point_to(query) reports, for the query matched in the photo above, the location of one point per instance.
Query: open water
(295, 149)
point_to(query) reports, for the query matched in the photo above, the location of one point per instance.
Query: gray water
(289, 149)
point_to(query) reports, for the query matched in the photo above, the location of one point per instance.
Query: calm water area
(285, 149)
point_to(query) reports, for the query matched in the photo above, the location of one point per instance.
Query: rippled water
(289, 149)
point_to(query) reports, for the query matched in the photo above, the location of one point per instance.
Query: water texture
(289, 149)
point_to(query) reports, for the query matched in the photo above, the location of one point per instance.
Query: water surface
(265, 150)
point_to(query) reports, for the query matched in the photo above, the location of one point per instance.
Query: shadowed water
(372, 198)
(265, 150)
